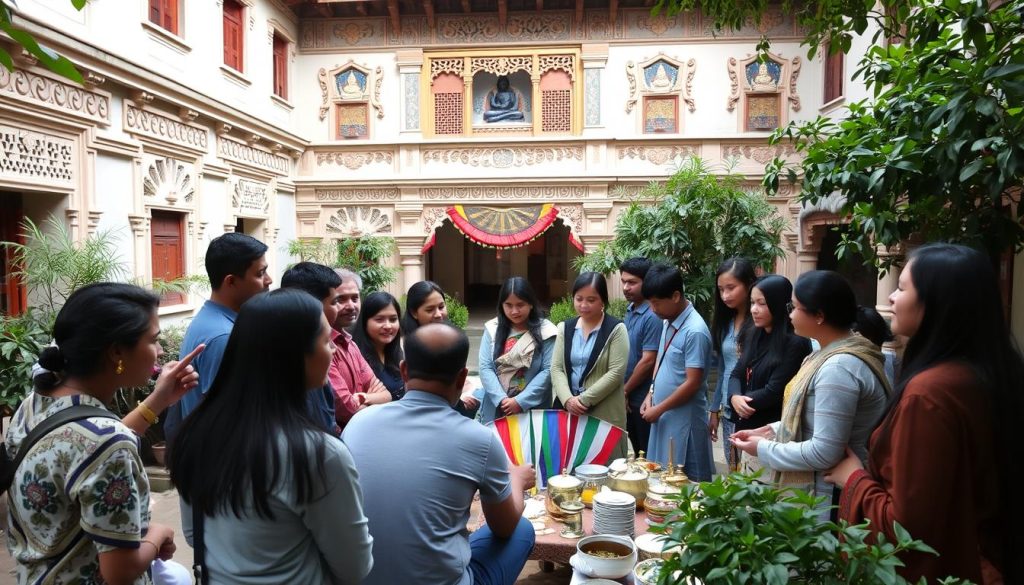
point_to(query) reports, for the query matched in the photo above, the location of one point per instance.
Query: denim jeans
(499, 561)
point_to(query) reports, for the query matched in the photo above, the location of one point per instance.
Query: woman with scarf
(833, 401)
(515, 355)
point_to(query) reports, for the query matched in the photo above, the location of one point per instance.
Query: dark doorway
(862, 277)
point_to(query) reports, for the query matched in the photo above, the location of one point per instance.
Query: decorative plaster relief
(497, 192)
(36, 88)
(572, 217)
(350, 82)
(433, 217)
(758, 154)
(634, 93)
(734, 86)
(500, 65)
(168, 179)
(147, 123)
(26, 155)
(355, 160)
(794, 72)
(359, 221)
(439, 66)
(363, 194)
(566, 63)
(233, 150)
(658, 155)
(502, 157)
(592, 96)
(251, 196)
(412, 100)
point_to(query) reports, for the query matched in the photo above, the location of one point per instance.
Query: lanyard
(664, 351)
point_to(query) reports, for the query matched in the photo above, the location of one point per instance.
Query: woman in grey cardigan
(835, 399)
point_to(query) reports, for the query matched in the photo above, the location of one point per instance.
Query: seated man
(420, 462)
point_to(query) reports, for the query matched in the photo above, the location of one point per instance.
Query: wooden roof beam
(579, 12)
(428, 9)
(613, 11)
(540, 5)
(361, 8)
(503, 12)
(396, 19)
(466, 6)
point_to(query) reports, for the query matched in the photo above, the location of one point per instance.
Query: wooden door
(12, 293)
(168, 251)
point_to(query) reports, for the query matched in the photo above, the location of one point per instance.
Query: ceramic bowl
(618, 555)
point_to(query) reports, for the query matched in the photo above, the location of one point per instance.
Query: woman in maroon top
(941, 463)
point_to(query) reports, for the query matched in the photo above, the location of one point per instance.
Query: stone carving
(164, 128)
(658, 155)
(503, 103)
(168, 179)
(691, 66)
(375, 102)
(329, 34)
(349, 82)
(566, 63)
(433, 217)
(412, 100)
(502, 157)
(759, 154)
(64, 96)
(592, 88)
(233, 150)
(355, 160)
(572, 217)
(500, 66)
(439, 66)
(498, 192)
(359, 221)
(634, 93)
(734, 86)
(251, 196)
(32, 156)
(363, 194)
(794, 72)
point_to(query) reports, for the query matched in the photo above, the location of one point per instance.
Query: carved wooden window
(280, 66)
(833, 76)
(168, 247)
(661, 114)
(164, 13)
(556, 101)
(448, 104)
(353, 120)
(234, 15)
(12, 293)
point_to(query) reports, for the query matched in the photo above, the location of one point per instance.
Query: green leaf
(971, 169)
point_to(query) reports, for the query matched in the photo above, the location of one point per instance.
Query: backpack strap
(47, 426)
(198, 545)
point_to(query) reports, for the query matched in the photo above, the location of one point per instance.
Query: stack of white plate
(614, 513)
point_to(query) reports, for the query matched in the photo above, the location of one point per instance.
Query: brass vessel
(631, 480)
(561, 488)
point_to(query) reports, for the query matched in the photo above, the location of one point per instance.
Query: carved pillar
(535, 101)
(411, 259)
(308, 219)
(93, 222)
(806, 261)
(140, 244)
(467, 101)
(410, 67)
(595, 58)
(596, 214)
(74, 228)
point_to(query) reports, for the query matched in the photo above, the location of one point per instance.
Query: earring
(819, 322)
(120, 367)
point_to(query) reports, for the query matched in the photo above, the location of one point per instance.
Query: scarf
(795, 397)
(519, 357)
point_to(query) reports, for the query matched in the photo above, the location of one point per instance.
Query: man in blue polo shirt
(237, 267)
(644, 329)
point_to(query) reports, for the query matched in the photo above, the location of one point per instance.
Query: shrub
(22, 337)
(458, 313)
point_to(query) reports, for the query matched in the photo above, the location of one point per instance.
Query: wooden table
(552, 548)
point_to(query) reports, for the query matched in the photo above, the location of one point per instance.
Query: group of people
(318, 436)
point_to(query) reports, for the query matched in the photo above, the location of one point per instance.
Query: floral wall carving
(658, 155)
(501, 65)
(233, 150)
(33, 156)
(355, 160)
(433, 217)
(572, 216)
(502, 157)
(359, 221)
(64, 96)
(759, 154)
(251, 196)
(168, 179)
(364, 194)
(497, 192)
(166, 129)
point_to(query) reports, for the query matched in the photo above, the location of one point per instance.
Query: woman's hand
(574, 406)
(162, 536)
(470, 401)
(741, 405)
(841, 473)
(746, 441)
(176, 379)
(652, 413)
(713, 426)
(509, 406)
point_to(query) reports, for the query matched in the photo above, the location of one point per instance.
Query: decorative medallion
(359, 221)
(502, 157)
(169, 180)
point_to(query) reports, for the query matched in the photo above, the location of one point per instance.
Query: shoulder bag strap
(198, 545)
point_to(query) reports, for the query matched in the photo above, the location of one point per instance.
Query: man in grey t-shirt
(420, 462)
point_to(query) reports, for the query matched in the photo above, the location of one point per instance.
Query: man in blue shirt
(237, 267)
(325, 285)
(644, 329)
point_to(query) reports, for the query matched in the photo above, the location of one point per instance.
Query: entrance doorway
(12, 293)
(474, 273)
(862, 277)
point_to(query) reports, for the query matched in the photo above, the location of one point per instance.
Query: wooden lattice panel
(448, 111)
(556, 110)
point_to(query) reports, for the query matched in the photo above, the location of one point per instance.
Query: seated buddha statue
(503, 104)
(763, 81)
(351, 89)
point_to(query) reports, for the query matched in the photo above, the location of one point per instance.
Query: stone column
(410, 67)
(411, 260)
(595, 58)
(140, 245)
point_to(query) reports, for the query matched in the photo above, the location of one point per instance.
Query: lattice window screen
(556, 110)
(448, 111)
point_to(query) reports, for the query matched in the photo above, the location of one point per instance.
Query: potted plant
(736, 530)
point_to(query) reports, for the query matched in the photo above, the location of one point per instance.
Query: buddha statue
(763, 81)
(661, 79)
(503, 104)
(351, 89)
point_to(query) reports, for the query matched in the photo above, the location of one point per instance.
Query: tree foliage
(694, 220)
(365, 255)
(938, 152)
(47, 58)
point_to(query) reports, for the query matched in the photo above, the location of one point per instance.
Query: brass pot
(563, 487)
(631, 480)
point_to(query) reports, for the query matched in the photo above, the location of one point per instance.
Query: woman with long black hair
(944, 462)
(278, 498)
(424, 303)
(515, 354)
(378, 334)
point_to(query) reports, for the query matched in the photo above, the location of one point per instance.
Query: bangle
(156, 549)
(148, 414)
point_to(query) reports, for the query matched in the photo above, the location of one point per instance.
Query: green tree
(694, 220)
(938, 152)
(366, 255)
(47, 58)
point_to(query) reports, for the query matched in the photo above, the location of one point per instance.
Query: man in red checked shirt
(355, 385)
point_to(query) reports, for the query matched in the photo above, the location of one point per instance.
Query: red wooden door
(12, 293)
(233, 34)
(168, 251)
